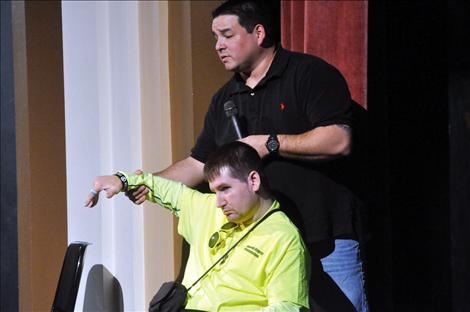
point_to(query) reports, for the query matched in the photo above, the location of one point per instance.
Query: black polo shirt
(298, 93)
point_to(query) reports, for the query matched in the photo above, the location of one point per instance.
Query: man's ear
(254, 181)
(260, 33)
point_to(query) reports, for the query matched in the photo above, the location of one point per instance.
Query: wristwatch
(272, 144)
(123, 180)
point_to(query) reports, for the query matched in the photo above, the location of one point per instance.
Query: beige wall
(195, 75)
(208, 73)
(40, 142)
(158, 224)
(195, 71)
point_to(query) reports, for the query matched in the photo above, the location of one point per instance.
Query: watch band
(123, 181)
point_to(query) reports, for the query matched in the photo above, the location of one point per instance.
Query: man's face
(237, 199)
(237, 49)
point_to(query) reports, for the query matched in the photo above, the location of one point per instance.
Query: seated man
(266, 271)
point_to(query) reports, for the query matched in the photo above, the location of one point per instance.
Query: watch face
(273, 145)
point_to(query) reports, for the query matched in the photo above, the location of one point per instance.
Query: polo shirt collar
(276, 69)
(278, 65)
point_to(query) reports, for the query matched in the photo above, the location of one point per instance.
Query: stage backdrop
(333, 30)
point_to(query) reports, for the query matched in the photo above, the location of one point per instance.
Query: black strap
(234, 245)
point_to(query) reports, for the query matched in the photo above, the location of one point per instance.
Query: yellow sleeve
(164, 192)
(181, 200)
(288, 282)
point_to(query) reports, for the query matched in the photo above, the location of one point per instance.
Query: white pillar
(111, 58)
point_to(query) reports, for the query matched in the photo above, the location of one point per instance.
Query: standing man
(295, 110)
(263, 258)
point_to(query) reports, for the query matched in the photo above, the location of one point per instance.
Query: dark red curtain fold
(333, 30)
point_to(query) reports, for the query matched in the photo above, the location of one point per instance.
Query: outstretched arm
(188, 171)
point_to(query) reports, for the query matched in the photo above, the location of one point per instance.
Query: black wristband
(123, 181)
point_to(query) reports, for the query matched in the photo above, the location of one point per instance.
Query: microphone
(231, 111)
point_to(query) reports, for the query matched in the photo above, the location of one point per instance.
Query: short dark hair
(250, 13)
(239, 158)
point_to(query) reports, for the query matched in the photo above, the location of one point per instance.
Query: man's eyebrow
(219, 186)
(222, 31)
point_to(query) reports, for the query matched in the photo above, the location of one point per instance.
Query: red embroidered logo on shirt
(282, 106)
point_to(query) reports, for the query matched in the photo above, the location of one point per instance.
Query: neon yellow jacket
(265, 272)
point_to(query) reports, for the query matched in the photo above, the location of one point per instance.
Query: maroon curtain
(333, 30)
